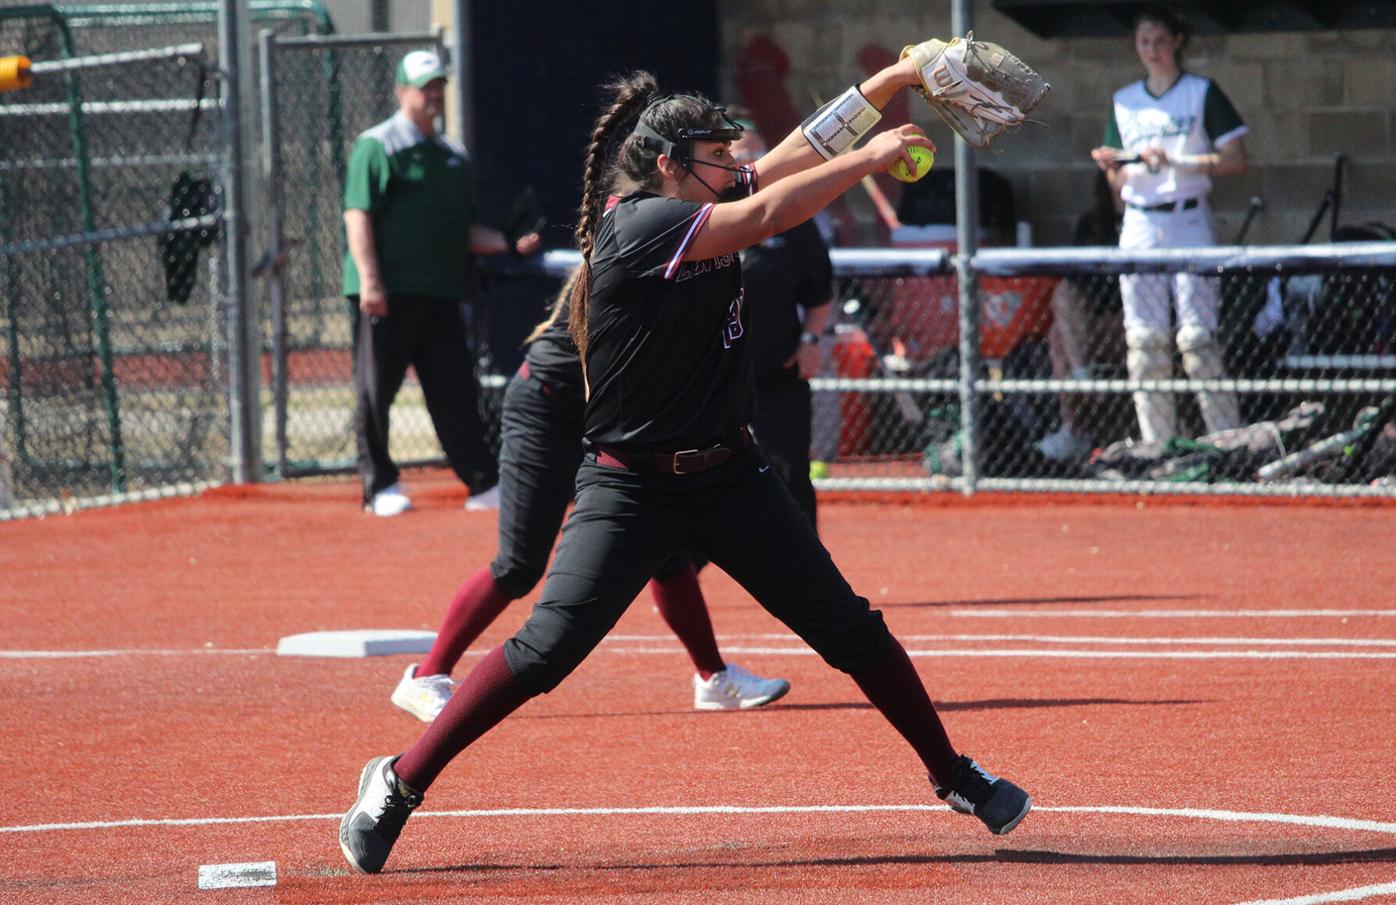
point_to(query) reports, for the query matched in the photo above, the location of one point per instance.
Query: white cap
(420, 67)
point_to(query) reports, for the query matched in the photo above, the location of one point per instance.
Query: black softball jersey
(552, 359)
(667, 363)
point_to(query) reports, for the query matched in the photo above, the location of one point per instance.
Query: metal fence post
(272, 270)
(242, 357)
(967, 241)
(464, 131)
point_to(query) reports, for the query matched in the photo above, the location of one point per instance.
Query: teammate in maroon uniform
(670, 467)
(542, 446)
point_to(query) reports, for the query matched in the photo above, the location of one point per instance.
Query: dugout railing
(1306, 334)
(1312, 401)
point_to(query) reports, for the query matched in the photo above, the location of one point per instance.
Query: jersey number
(732, 330)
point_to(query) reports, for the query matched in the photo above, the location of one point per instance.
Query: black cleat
(974, 790)
(368, 831)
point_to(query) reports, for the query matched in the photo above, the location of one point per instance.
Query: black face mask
(734, 192)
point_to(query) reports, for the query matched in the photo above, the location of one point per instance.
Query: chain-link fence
(319, 95)
(110, 27)
(1262, 370)
(1291, 392)
(108, 247)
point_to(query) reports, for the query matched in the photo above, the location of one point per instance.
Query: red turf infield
(1000, 604)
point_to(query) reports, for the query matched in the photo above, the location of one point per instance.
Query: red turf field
(1200, 698)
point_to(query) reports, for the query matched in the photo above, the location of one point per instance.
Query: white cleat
(424, 697)
(389, 501)
(736, 689)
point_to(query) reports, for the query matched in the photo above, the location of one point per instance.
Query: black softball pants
(429, 335)
(739, 516)
(541, 449)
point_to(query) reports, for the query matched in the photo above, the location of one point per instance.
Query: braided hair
(630, 167)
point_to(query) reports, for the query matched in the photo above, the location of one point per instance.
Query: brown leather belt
(688, 461)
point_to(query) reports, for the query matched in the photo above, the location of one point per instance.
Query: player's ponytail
(629, 95)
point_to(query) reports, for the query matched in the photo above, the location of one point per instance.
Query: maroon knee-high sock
(680, 602)
(485, 697)
(895, 689)
(477, 603)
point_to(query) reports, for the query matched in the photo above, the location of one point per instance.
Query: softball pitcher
(541, 450)
(670, 468)
(1167, 137)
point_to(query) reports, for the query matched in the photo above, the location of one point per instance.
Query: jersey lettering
(733, 330)
(690, 269)
(1146, 130)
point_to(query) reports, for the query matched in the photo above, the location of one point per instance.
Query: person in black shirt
(657, 317)
(541, 448)
(788, 282)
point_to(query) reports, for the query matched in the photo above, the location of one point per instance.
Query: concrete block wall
(1305, 95)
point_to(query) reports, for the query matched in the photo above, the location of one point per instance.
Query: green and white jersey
(1192, 117)
(420, 193)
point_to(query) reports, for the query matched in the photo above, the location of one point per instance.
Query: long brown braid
(629, 94)
(632, 166)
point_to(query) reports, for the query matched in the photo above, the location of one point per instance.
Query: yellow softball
(14, 73)
(925, 159)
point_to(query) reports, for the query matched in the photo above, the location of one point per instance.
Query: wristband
(837, 126)
(809, 339)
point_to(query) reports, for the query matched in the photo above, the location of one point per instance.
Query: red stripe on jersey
(747, 178)
(698, 220)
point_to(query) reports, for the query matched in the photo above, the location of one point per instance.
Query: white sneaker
(423, 697)
(389, 501)
(1063, 446)
(736, 689)
(482, 502)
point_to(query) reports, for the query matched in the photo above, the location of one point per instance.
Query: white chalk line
(1356, 893)
(1000, 613)
(1055, 639)
(664, 645)
(1057, 653)
(1070, 639)
(1318, 820)
(128, 652)
(1106, 639)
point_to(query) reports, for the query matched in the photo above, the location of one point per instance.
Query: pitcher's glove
(979, 89)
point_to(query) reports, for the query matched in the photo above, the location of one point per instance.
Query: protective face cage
(682, 150)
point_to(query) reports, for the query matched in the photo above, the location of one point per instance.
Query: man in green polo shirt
(409, 212)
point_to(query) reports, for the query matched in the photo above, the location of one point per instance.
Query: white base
(356, 643)
(232, 876)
